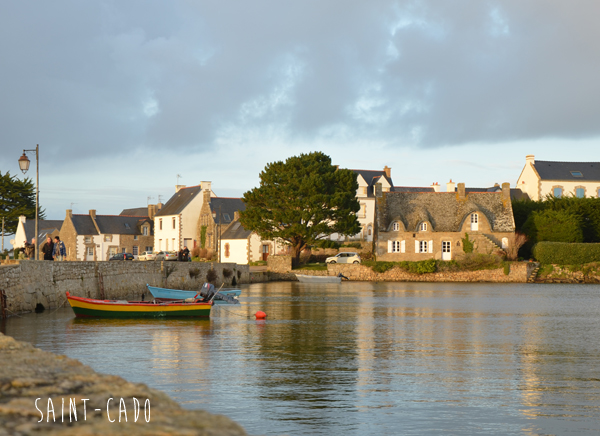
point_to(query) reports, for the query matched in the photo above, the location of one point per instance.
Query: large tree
(301, 201)
(17, 197)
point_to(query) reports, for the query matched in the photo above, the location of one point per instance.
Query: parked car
(147, 255)
(122, 256)
(344, 258)
(166, 255)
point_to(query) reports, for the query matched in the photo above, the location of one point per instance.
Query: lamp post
(24, 165)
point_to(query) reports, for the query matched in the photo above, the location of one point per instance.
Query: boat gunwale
(129, 304)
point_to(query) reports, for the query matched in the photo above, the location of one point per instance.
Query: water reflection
(363, 358)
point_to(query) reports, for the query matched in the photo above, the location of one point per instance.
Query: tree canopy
(301, 201)
(17, 197)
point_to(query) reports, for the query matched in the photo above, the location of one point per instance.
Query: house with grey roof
(542, 178)
(95, 237)
(244, 246)
(216, 216)
(417, 226)
(26, 231)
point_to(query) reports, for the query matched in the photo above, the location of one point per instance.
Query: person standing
(33, 249)
(60, 252)
(185, 253)
(48, 249)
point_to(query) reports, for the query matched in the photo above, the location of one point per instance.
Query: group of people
(183, 255)
(53, 250)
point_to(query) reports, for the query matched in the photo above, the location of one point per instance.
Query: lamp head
(24, 163)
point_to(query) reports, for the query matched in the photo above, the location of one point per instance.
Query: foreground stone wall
(589, 273)
(27, 374)
(518, 274)
(31, 283)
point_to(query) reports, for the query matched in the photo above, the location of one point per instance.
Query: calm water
(363, 358)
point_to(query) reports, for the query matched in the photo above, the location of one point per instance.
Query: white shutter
(403, 247)
(389, 246)
(431, 246)
(416, 246)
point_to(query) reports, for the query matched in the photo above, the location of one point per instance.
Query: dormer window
(145, 230)
(127, 226)
(423, 227)
(576, 173)
(396, 226)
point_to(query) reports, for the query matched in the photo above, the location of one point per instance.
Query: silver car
(166, 255)
(344, 258)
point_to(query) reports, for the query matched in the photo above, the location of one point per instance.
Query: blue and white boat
(223, 296)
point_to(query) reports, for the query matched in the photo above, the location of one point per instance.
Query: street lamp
(24, 166)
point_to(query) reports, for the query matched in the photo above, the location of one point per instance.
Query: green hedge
(564, 253)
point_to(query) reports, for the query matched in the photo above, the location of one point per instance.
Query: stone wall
(517, 274)
(279, 263)
(589, 273)
(31, 283)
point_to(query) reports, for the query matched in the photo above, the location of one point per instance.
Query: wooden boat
(224, 296)
(91, 308)
(318, 279)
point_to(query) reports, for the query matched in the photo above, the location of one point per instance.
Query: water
(363, 358)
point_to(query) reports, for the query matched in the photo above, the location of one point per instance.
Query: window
(174, 222)
(423, 227)
(90, 251)
(226, 217)
(159, 244)
(145, 230)
(422, 246)
(160, 224)
(579, 192)
(173, 246)
(88, 239)
(226, 250)
(148, 248)
(396, 226)
(395, 246)
(598, 193)
(446, 246)
(364, 190)
(474, 218)
(127, 226)
(123, 250)
(557, 192)
(135, 250)
(135, 237)
(576, 174)
(107, 238)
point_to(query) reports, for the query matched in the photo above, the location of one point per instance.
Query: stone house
(538, 179)
(417, 226)
(98, 237)
(176, 223)
(26, 231)
(244, 246)
(216, 215)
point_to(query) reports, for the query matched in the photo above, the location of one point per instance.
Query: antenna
(72, 205)
(149, 198)
(179, 177)
(160, 198)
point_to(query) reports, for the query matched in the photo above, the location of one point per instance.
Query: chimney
(159, 206)
(236, 215)
(388, 171)
(450, 186)
(178, 187)
(461, 191)
(151, 211)
(505, 192)
(22, 218)
(378, 190)
(436, 187)
(93, 213)
(70, 213)
(530, 158)
(206, 196)
(206, 186)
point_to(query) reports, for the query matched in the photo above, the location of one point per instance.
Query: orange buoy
(260, 315)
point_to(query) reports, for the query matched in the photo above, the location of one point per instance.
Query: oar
(215, 294)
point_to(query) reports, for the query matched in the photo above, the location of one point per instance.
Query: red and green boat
(91, 308)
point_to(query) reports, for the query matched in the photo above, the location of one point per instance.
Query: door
(265, 252)
(89, 253)
(446, 250)
(474, 222)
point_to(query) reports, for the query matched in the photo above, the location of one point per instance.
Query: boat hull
(90, 308)
(318, 279)
(164, 294)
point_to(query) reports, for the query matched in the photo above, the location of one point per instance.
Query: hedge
(564, 253)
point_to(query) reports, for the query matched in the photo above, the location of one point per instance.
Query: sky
(126, 99)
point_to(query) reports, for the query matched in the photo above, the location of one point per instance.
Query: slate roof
(412, 189)
(236, 231)
(444, 210)
(227, 206)
(372, 177)
(137, 211)
(550, 170)
(44, 227)
(84, 225)
(179, 201)
(120, 225)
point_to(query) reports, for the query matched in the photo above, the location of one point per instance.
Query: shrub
(353, 245)
(507, 268)
(196, 252)
(554, 226)
(467, 244)
(327, 243)
(476, 262)
(210, 254)
(562, 253)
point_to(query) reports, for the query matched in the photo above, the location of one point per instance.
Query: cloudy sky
(123, 96)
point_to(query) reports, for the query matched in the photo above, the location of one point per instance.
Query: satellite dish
(12, 242)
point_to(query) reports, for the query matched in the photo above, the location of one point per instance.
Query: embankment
(43, 284)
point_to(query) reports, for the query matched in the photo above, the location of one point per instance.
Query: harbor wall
(43, 284)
